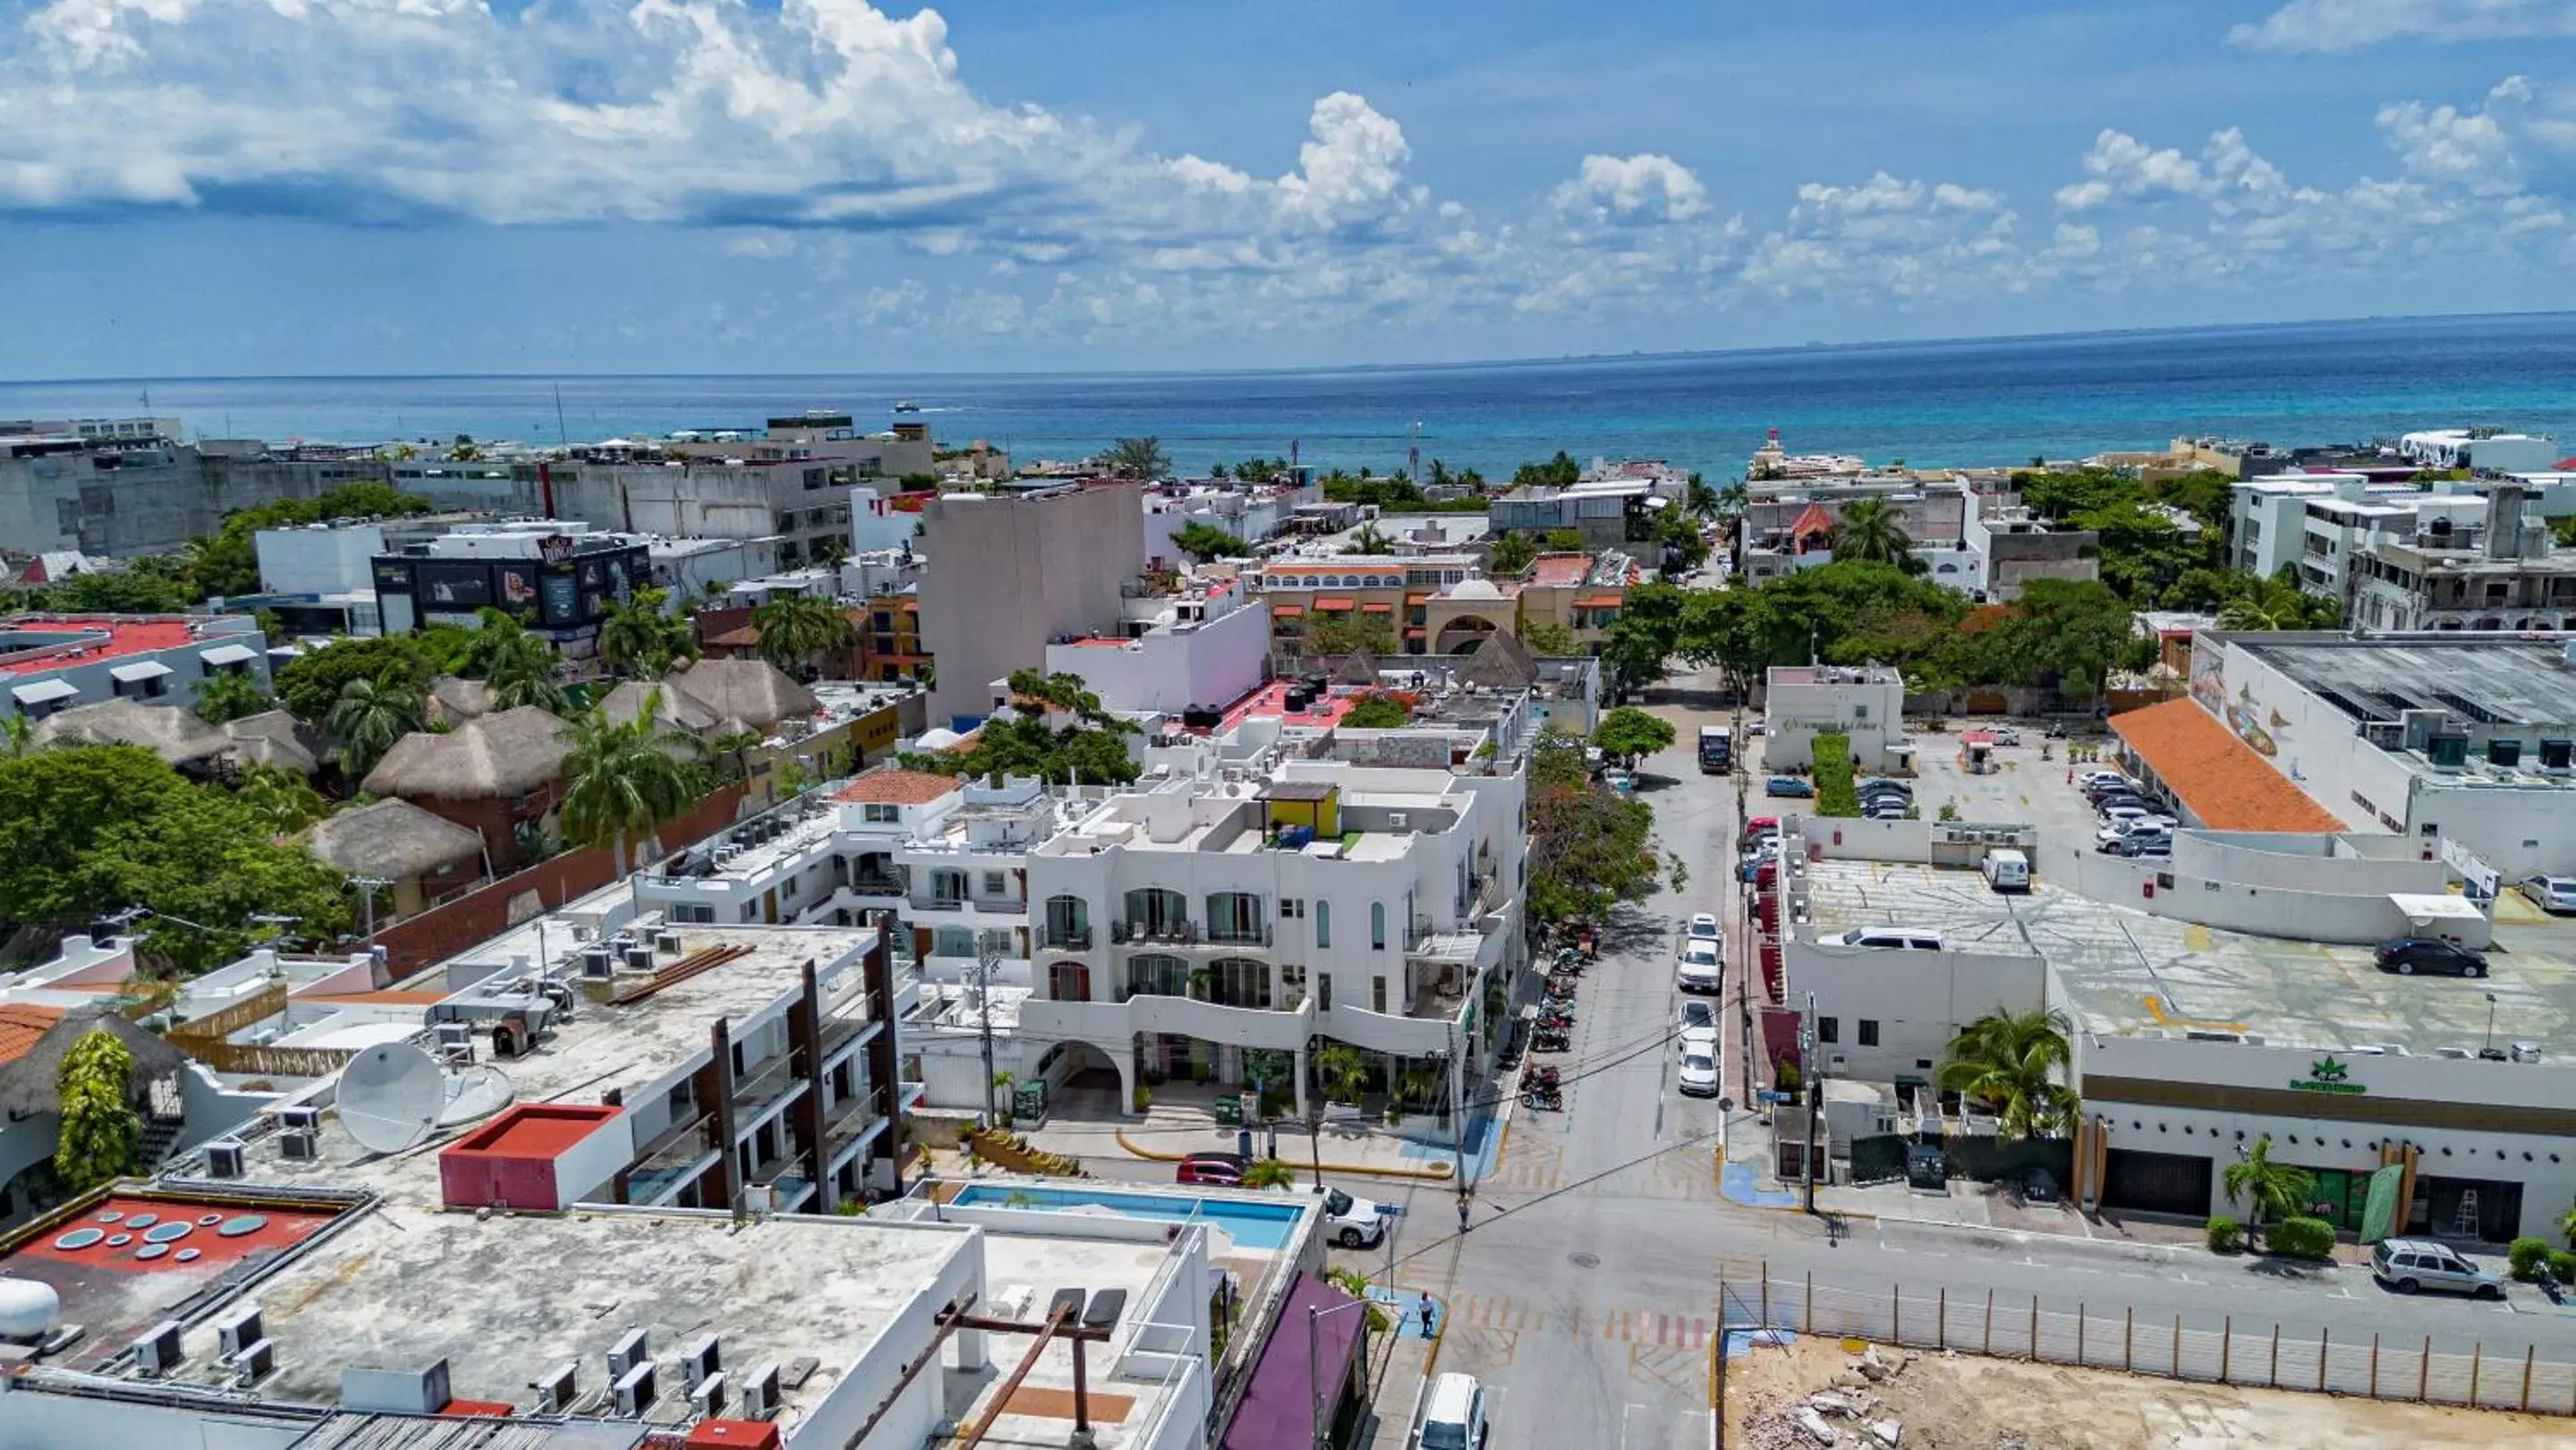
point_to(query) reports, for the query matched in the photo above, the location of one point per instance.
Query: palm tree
(369, 716)
(1268, 1173)
(519, 668)
(2012, 1062)
(619, 781)
(2567, 1226)
(798, 630)
(641, 639)
(1137, 458)
(2269, 1190)
(283, 800)
(1874, 530)
(17, 735)
(1511, 554)
(2265, 603)
(230, 697)
(1732, 498)
(1699, 499)
(1369, 539)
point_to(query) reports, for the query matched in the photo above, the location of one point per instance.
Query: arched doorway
(1461, 635)
(1085, 1080)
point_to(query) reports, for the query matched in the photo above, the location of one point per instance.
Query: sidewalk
(1169, 1132)
(1403, 1363)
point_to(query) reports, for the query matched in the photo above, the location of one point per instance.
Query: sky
(282, 187)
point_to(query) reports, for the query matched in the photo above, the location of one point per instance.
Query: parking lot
(2018, 788)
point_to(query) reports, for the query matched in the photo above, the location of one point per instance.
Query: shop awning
(1377, 609)
(1415, 632)
(1417, 597)
(1277, 1411)
(1286, 611)
(1332, 602)
(229, 654)
(1599, 601)
(139, 671)
(45, 692)
(2223, 783)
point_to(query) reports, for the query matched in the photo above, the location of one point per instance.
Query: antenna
(390, 1097)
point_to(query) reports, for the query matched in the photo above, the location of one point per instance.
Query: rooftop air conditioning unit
(223, 1160)
(640, 958)
(300, 1145)
(759, 1393)
(557, 1389)
(635, 1393)
(596, 963)
(242, 1328)
(307, 1119)
(255, 1362)
(157, 1352)
(707, 1397)
(633, 1348)
(667, 943)
(700, 1359)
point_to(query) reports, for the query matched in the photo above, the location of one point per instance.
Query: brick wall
(440, 933)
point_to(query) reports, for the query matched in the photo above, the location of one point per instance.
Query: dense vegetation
(1836, 794)
(1589, 846)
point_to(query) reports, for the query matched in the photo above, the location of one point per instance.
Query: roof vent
(158, 1351)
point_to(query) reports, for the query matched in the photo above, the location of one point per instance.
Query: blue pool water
(1253, 1225)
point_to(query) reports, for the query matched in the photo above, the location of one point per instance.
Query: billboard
(517, 584)
(393, 576)
(443, 586)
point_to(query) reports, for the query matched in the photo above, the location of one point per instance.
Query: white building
(1011, 572)
(1199, 650)
(1864, 702)
(2480, 448)
(52, 662)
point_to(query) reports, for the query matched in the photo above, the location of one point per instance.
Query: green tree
(1354, 1283)
(2255, 602)
(1269, 1173)
(620, 779)
(1677, 534)
(1557, 472)
(310, 684)
(1563, 541)
(799, 631)
(229, 697)
(98, 829)
(1092, 749)
(2270, 1191)
(1377, 710)
(1872, 531)
(1370, 540)
(1343, 1071)
(1699, 500)
(520, 667)
(1643, 639)
(1512, 553)
(642, 638)
(283, 800)
(102, 1135)
(1588, 845)
(2012, 1064)
(2567, 1225)
(2061, 631)
(1830, 754)
(2144, 553)
(1204, 541)
(1137, 458)
(1628, 735)
(1334, 635)
(1546, 637)
(131, 590)
(18, 734)
(370, 716)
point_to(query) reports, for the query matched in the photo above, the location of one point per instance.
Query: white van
(1891, 938)
(2007, 870)
(1453, 1414)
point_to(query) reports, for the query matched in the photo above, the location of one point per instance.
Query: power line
(1561, 1190)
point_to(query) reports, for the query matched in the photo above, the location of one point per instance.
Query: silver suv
(2408, 1265)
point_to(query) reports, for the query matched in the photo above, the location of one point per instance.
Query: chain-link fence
(2105, 1334)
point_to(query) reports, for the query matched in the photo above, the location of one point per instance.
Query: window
(1377, 993)
(1153, 911)
(1869, 1032)
(1828, 1030)
(952, 941)
(1324, 991)
(1377, 926)
(1235, 916)
(878, 815)
(996, 884)
(948, 888)
(1323, 924)
(1068, 922)
(1860, 712)
(1157, 974)
(1068, 982)
(1239, 982)
(1292, 908)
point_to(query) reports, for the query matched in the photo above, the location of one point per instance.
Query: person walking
(1462, 1213)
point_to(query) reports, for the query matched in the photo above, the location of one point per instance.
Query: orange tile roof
(2221, 780)
(1599, 601)
(1560, 571)
(21, 1025)
(896, 788)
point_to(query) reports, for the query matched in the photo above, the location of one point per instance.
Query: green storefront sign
(2326, 1075)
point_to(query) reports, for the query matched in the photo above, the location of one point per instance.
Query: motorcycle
(1540, 1077)
(1539, 1101)
(1551, 1042)
(1560, 992)
(1555, 1017)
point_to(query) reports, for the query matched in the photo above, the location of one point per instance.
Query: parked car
(1755, 829)
(1704, 927)
(2092, 773)
(1892, 938)
(1453, 1414)
(1881, 785)
(2102, 785)
(1787, 785)
(1885, 809)
(2006, 870)
(2553, 894)
(1697, 1041)
(1354, 1223)
(1620, 781)
(1698, 1016)
(2119, 828)
(2407, 956)
(1698, 1077)
(2148, 843)
(1215, 1170)
(1702, 968)
(2408, 1265)
(2006, 735)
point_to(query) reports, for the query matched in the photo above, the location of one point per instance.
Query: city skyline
(379, 187)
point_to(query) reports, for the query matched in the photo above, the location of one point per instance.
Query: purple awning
(1278, 1409)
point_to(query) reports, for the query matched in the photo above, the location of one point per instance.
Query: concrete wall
(1008, 574)
(1174, 669)
(318, 561)
(835, 1422)
(37, 1420)
(1919, 1001)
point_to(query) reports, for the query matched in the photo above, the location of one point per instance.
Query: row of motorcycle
(1541, 1089)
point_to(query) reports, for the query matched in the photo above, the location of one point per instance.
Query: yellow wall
(1324, 815)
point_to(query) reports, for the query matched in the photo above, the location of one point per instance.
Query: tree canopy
(642, 638)
(1557, 472)
(229, 697)
(1589, 846)
(97, 829)
(799, 631)
(1137, 458)
(1628, 734)
(1511, 554)
(101, 1132)
(620, 780)
(1205, 541)
(310, 684)
(1378, 710)
(2012, 1063)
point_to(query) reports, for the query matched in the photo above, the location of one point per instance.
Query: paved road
(1586, 1294)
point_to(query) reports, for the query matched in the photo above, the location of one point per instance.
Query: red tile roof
(896, 788)
(1560, 571)
(2222, 781)
(21, 1025)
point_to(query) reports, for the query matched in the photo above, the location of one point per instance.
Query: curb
(1438, 1173)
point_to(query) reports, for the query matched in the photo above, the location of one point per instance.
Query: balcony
(1241, 934)
(1163, 931)
(672, 1159)
(773, 1080)
(872, 884)
(1077, 939)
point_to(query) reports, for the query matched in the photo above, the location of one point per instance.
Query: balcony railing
(1077, 939)
(1239, 933)
(873, 885)
(757, 1090)
(941, 903)
(682, 1144)
(1183, 931)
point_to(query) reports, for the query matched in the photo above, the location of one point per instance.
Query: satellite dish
(390, 1097)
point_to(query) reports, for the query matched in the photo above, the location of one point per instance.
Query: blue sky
(401, 186)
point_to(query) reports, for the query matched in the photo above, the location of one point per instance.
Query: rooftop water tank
(28, 1310)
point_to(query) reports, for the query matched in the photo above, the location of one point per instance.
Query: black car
(1881, 785)
(2409, 955)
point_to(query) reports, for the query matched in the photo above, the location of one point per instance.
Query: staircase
(158, 1134)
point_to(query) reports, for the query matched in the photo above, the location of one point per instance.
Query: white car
(1354, 1223)
(1698, 1077)
(1703, 927)
(1702, 968)
(1697, 1041)
(2006, 735)
(2553, 894)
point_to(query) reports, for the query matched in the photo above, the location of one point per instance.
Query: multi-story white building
(1863, 702)
(2487, 449)
(1199, 650)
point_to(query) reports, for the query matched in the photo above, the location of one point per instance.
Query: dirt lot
(1966, 1403)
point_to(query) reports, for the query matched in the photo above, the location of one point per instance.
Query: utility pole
(1814, 1088)
(988, 963)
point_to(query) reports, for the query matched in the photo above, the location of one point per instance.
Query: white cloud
(2471, 149)
(2349, 25)
(1350, 171)
(1646, 185)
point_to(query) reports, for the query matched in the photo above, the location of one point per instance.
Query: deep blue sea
(1994, 401)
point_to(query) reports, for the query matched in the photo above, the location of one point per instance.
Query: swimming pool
(1252, 1225)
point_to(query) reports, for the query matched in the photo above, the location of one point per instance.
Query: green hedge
(2528, 1257)
(2301, 1238)
(2562, 1265)
(2224, 1235)
(1835, 795)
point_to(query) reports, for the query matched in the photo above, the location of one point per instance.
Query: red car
(1217, 1170)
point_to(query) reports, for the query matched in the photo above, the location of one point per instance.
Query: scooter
(1560, 991)
(1551, 1042)
(1537, 1100)
(1544, 1077)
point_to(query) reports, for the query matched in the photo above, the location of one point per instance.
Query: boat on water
(906, 405)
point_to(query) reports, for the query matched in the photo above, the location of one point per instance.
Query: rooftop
(896, 788)
(2125, 973)
(1835, 675)
(2492, 680)
(35, 643)
(2224, 782)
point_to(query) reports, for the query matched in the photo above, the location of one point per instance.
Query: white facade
(2479, 448)
(1864, 702)
(1890, 1016)
(1204, 650)
(333, 560)
(1009, 573)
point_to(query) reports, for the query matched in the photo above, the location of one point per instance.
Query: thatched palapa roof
(174, 734)
(1502, 662)
(455, 701)
(509, 752)
(1357, 668)
(717, 697)
(676, 710)
(275, 739)
(32, 1083)
(391, 840)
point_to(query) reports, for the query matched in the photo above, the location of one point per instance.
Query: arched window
(1155, 912)
(1068, 923)
(1377, 926)
(1157, 974)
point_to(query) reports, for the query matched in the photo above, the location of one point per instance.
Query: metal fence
(2100, 1334)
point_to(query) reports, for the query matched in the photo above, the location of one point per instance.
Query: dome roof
(28, 1309)
(1476, 589)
